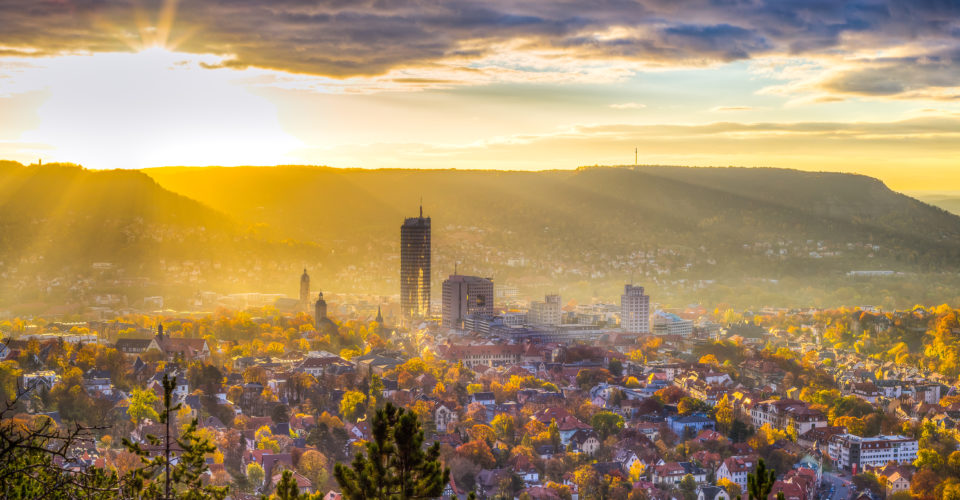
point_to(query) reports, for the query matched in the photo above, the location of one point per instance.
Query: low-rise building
(692, 424)
(786, 413)
(852, 452)
(670, 474)
(735, 470)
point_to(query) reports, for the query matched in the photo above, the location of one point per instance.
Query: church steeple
(319, 311)
(379, 319)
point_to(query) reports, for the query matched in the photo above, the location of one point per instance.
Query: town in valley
(531, 399)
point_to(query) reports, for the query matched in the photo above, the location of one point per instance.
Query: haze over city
(480, 250)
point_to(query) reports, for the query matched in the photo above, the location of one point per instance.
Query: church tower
(304, 291)
(319, 310)
(323, 324)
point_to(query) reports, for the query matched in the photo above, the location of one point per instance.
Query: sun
(154, 107)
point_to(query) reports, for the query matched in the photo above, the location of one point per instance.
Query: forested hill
(59, 217)
(599, 209)
(693, 234)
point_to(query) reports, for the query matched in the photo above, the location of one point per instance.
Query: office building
(634, 310)
(546, 312)
(415, 267)
(465, 296)
(665, 323)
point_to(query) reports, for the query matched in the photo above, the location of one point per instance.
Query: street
(842, 487)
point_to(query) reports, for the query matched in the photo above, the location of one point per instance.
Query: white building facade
(849, 451)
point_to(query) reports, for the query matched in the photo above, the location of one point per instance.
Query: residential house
(585, 441)
(787, 413)
(735, 470)
(443, 417)
(671, 473)
(304, 486)
(712, 493)
(693, 424)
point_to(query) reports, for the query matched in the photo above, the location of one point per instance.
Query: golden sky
(861, 86)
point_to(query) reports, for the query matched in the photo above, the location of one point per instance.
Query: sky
(863, 86)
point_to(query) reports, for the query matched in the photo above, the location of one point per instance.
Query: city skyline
(700, 249)
(857, 86)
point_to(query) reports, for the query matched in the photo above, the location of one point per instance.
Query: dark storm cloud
(345, 38)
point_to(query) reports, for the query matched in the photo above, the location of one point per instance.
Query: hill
(738, 235)
(57, 220)
(589, 230)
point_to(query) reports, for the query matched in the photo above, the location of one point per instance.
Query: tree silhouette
(394, 466)
(181, 478)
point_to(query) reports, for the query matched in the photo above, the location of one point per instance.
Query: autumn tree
(588, 481)
(724, 414)
(314, 466)
(353, 405)
(733, 489)
(505, 427)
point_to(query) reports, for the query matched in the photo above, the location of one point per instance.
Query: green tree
(928, 459)
(760, 482)
(394, 466)
(376, 386)
(505, 428)
(606, 424)
(688, 487)
(255, 474)
(287, 488)
(553, 430)
(142, 405)
(615, 367)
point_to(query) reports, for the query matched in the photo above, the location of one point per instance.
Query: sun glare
(153, 107)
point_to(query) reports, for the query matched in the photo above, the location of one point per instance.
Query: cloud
(419, 43)
(628, 105)
(732, 108)
(930, 76)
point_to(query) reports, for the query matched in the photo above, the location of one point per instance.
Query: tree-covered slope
(607, 210)
(56, 216)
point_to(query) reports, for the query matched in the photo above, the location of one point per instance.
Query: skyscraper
(634, 310)
(415, 267)
(464, 296)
